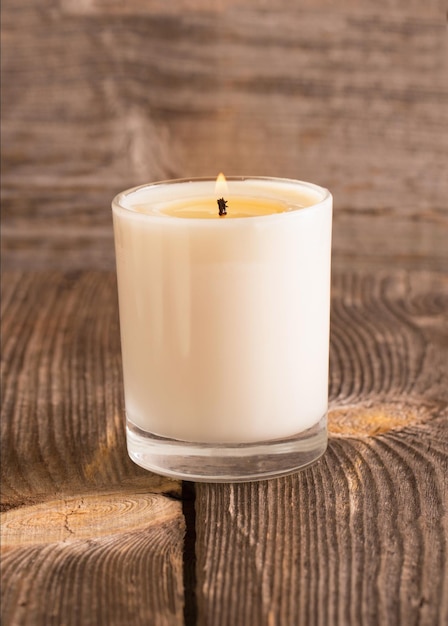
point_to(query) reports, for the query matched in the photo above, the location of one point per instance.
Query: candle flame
(221, 188)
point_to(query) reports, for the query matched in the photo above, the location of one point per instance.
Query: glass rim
(323, 192)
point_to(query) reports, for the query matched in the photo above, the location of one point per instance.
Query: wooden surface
(359, 538)
(88, 537)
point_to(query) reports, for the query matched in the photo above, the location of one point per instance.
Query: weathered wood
(359, 538)
(415, 242)
(63, 430)
(85, 532)
(89, 516)
(101, 95)
(123, 578)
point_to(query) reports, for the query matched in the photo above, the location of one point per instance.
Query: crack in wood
(189, 554)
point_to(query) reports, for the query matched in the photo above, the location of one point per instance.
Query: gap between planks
(189, 553)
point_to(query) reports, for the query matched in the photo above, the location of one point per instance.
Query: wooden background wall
(100, 95)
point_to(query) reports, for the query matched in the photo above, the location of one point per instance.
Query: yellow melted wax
(207, 208)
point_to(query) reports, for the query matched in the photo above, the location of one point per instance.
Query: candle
(224, 315)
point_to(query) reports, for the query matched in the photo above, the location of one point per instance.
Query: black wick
(222, 205)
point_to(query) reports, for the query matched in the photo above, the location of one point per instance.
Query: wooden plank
(177, 7)
(269, 93)
(359, 538)
(354, 98)
(85, 532)
(124, 578)
(369, 239)
(63, 430)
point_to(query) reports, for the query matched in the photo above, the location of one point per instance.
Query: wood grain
(359, 538)
(179, 7)
(85, 532)
(102, 95)
(87, 516)
(62, 389)
(124, 578)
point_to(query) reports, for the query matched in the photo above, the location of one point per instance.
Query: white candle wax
(224, 322)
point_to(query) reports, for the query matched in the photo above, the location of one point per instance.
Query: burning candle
(224, 312)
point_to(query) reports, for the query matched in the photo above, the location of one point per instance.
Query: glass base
(223, 463)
